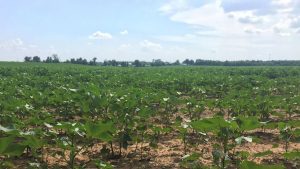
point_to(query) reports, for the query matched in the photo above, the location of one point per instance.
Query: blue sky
(150, 29)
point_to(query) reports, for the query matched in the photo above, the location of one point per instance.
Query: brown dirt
(170, 150)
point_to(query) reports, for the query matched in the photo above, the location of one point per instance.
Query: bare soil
(170, 150)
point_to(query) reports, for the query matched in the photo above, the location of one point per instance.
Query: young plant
(71, 141)
(285, 134)
(225, 134)
(101, 131)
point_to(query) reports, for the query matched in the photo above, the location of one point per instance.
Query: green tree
(36, 59)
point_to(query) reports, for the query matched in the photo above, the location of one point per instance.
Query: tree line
(55, 59)
(158, 62)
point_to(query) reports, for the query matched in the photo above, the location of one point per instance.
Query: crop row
(65, 112)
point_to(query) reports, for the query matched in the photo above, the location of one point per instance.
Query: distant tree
(192, 62)
(27, 59)
(114, 63)
(188, 62)
(157, 62)
(124, 64)
(84, 62)
(73, 61)
(105, 63)
(177, 62)
(48, 60)
(137, 63)
(36, 59)
(94, 60)
(55, 58)
(81, 61)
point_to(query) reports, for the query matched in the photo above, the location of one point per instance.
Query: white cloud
(280, 31)
(285, 10)
(125, 32)
(295, 22)
(249, 19)
(14, 44)
(145, 44)
(229, 17)
(125, 46)
(261, 7)
(173, 6)
(282, 27)
(282, 2)
(100, 35)
(245, 5)
(285, 34)
(211, 16)
(251, 30)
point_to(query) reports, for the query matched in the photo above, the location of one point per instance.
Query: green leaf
(294, 123)
(261, 154)
(292, 155)
(212, 124)
(296, 133)
(85, 107)
(102, 131)
(248, 123)
(4, 143)
(14, 149)
(7, 147)
(271, 125)
(252, 165)
(282, 125)
(243, 154)
(192, 157)
(33, 142)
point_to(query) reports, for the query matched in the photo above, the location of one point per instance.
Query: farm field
(72, 116)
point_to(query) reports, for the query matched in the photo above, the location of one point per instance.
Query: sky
(170, 30)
